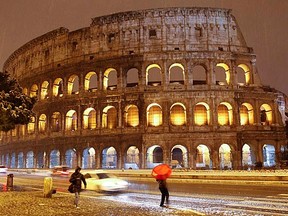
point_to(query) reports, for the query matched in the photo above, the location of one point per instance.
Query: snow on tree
(15, 106)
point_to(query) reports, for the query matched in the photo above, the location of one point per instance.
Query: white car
(3, 169)
(104, 181)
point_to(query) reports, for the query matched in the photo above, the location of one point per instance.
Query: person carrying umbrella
(161, 173)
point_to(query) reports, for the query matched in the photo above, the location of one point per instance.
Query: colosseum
(135, 89)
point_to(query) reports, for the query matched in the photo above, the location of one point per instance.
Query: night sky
(264, 24)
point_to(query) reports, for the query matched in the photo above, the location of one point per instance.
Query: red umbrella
(161, 172)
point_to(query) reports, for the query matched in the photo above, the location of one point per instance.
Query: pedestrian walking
(164, 192)
(76, 179)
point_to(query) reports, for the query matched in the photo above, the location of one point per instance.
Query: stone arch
(30, 159)
(154, 115)
(71, 121)
(42, 123)
(153, 75)
(178, 114)
(176, 74)
(225, 157)
(13, 160)
(58, 87)
(225, 114)
(201, 114)
(222, 74)
(109, 117)
(20, 160)
(199, 75)
(132, 78)
(269, 156)
(203, 157)
(41, 158)
(54, 158)
(246, 114)
(56, 122)
(266, 114)
(132, 158)
(247, 156)
(73, 85)
(131, 116)
(88, 158)
(89, 118)
(179, 153)
(31, 126)
(44, 90)
(91, 82)
(71, 158)
(34, 91)
(243, 74)
(154, 156)
(110, 79)
(109, 158)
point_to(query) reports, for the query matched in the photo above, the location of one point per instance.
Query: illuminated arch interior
(89, 118)
(58, 87)
(34, 90)
(56, 122)
(153, 75)
(42, 123)
(31, 125)
(90, 82)
(202, 114)
(110, 79)
(154, 115)
(203, 156)
(225, 156)
(131, 116)
(73, 85)
(179, 153)
(225, 114)
(178, 114)
(219, 74)
(246, 155)
(109, 158)
(71, 120)
(246, 114)
(44, 90)
(247, 73)
(132, 158)
(266, 114)
(109, 117)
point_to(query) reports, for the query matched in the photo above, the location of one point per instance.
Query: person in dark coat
(76, 179)
(164, 192)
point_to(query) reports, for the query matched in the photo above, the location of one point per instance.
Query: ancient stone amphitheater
(139, 88)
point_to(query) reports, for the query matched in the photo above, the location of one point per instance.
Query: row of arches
(109, 157)
(91, 118)
(155, 75)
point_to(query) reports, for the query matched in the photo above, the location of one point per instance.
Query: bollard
(10, 180)
(47, 190)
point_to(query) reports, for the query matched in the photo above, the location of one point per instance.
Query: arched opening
(225, 157)
(265, 114)
(31, 126)
(56, 122)
(34, 91)
(41, 156)
(246, 156)
(110, 79)
(178, 114)
(58, 87)
(13, 160)
(30, 159)
(91, 82)
(153, 75)
(154, 156)
(109, 158)
(20, 160)
(269, 155)
(176, 74)
(89, 119)
(243, 74)
(246, 114)
(222, 74)
(203, 160)
(42, 123)
(71, 158)
(132, 77)
(131, 116)
(109, 117)
(132, 158)
(154, 115)
(88, 159)
(73, 85)
(44, 90)
(225, 114)
(199, 75)
(71, 121)
(25, 91)
(179, 156)
(201, 114)
(54, 158)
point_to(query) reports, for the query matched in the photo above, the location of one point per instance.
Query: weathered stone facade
(176, 84)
